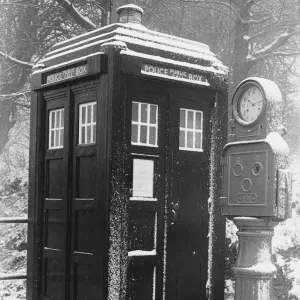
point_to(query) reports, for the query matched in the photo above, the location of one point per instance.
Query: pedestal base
(254, 269)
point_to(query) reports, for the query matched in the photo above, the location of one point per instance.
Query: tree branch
(212, 2)
(76, 15)
(278, 42)
(16, 61)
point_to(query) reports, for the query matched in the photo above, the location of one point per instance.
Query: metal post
(254, 268)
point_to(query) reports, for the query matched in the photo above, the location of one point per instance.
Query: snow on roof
(171, 61)
(73, 61)
(130, 6)
(277, 143)
(137, 35)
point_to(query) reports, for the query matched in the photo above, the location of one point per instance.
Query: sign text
(66, 74)
(171, 73)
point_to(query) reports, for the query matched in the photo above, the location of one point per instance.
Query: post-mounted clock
(249, 103)
(254, 109)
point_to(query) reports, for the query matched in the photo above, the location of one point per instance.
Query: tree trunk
(240, 69)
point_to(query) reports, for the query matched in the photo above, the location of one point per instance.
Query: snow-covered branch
(22, 93)
(256, 22)
(76, 15)
(16, 98)
(272, 47)
(212, 2)
(16, 61)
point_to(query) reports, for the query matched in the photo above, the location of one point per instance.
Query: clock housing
(249, 103)
(256, 110)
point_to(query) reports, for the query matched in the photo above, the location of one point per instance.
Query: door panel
(83, 255)
(187, 205)
(74, 210)
(54, 206)
(147, 117)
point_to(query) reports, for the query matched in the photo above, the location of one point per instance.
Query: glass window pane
(198, 120)
(153, 112)
(134, 133)
(198, 142)
(82, 136)
(135, 111)
(62, 117)
(61, 137)
(182, 139)
(51, 138)
(56, 141)
(190, 119)
(89, 114)
(152, 136)
(143, 134)
(182, 118)
(52, 119)
(57, 119)
(83, 112)
(89, 134)
(94, 133)
(94, 112)
(190, 141)
(144, 113)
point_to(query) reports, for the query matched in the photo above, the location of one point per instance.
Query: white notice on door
(143, 173)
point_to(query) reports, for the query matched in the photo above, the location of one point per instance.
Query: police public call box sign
(175, 74)
(66, 74)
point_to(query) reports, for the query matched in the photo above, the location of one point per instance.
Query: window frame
(194, 130)
(148, 124)
(60, 129)
(92, 124)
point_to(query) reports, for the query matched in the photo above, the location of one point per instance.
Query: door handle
(174, 213)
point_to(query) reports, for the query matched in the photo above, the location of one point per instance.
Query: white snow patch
(294, 265)
(277, 143)
(142, 253)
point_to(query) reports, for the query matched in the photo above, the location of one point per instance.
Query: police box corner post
(256, 185)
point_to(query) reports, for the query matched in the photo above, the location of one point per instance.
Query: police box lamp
(256, 179)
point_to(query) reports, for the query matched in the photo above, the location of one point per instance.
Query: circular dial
(250, 104)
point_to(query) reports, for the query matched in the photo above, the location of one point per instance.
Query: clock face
(250, 104)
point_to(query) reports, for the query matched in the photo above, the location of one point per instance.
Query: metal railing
(11, 220)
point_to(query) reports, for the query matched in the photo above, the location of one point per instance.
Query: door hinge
(222, 201)
(232, 123)
(224, 160)
(231, 138)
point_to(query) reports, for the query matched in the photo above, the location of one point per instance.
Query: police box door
(74, 205)
(187, 242)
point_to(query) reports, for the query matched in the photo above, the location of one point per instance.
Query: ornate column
(254, 268)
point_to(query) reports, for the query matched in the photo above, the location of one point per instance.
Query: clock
(249, 103)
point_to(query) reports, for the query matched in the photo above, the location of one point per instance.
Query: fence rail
(11, 220)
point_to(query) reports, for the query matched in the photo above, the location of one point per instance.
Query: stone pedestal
(254, 268)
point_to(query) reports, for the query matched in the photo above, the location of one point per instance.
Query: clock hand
(249, 101)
